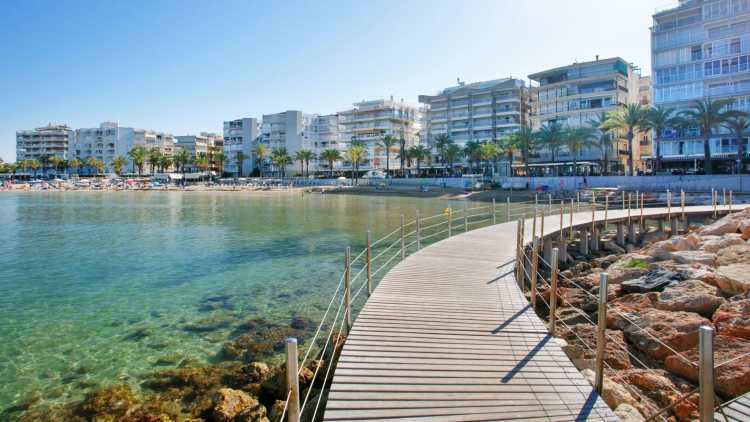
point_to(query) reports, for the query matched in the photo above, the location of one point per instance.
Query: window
(695, 53)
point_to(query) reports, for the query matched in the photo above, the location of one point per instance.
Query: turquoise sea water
(102, 288)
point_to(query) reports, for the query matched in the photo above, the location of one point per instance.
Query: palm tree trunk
(740, 153)
(707, 155)
(630, 152)
(658, 155)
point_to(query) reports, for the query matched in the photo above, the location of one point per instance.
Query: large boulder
(666, 390)
(733, 319)
(737, 254)
(694, 257)
(229, 404)
(731, 378)
(108, 404)
(628, 413)
(628, 307)
(690, 296)
(613, 393)
(723, 226)
(734, 278)
(715, 243)
(656, 236)
(582, 335)
(656, 332)
(574, 297)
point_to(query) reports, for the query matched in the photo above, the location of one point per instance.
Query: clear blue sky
(186, 66)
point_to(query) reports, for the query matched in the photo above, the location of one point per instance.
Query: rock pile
(658, 297)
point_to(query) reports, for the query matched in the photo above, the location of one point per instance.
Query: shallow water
(102, 288)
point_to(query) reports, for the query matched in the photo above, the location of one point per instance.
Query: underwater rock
(211, 323)
(108, 404)
(139, 334)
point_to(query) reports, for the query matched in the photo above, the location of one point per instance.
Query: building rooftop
(504, 83)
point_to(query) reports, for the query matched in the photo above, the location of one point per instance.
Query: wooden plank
(447, 335)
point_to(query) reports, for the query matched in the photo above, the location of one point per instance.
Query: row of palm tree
(602, 131)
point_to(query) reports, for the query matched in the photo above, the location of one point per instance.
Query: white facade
(100, 143)
(480, 111)
(370, 121)
(288, 129)
(240, 135)
(204, 144)
(50, 141)
(701, 49)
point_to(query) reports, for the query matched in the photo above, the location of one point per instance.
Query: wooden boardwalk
(448, 336)
(737, 410)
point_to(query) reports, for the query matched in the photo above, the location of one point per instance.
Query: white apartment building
(479, 111)
(571, 95)
(205, 144)
(240, 135)
(289, 129)
(370, 121)
(100, 143)
(324, 133)
(47, 141)
(700, 49)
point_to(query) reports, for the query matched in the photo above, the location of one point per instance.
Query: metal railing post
(570, 226)
(553, 292)
(669, 206)
(369, 263)
(682, 203)
(623, 199)
(549, 197)
(348, 288)
(724, 196)
(643, 220)
(403, 240)
(450, 221)
(494, 212)
(730, 201)
(507, 209)
(466, 218)
(534, 270)
(706, 373)
(606, 212)
(578, 201)
(519, 253)
(292, 380)
(601, 332)
(418, 230)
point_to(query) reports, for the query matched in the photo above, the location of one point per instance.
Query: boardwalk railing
(361, 273)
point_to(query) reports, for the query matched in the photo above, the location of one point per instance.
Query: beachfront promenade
(448, 335)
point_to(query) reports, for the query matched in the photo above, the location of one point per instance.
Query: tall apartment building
(240, 136)
(645, 150)
(324, 133)
(288, 129)
(205, 144)
(47, 141)
(100, 143)
(370, 121)
(572, 95)
(700, 49)
(480, 111)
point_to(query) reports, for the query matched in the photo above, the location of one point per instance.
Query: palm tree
(95, 164)
(118, 163)
(239, 159)
(219, 159)
(507, 147)
(487, 152)
(138, 155)
(419, 153)
(260, 151)
(604, 139)
(75, 164)
(303, 156)
(659, 119)
(33, 165)
(629, 120)
(44, 162)
(154, 155)
(472, 153)
(442, 141)
(524, 140)
(739, 126)
(452, 152)
(165, 162)
(577, 139)
(354, 155)
(387, 143)
(202, 162)
(181, 158)
(403, 154)
(281, 159)
(330, 155)
(551, 137)
(56, 162)
(709, 115)
(309, 156)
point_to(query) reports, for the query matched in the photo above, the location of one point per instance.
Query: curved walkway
(448, 336)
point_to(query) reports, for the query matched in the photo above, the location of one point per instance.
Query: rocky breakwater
(659, 294)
